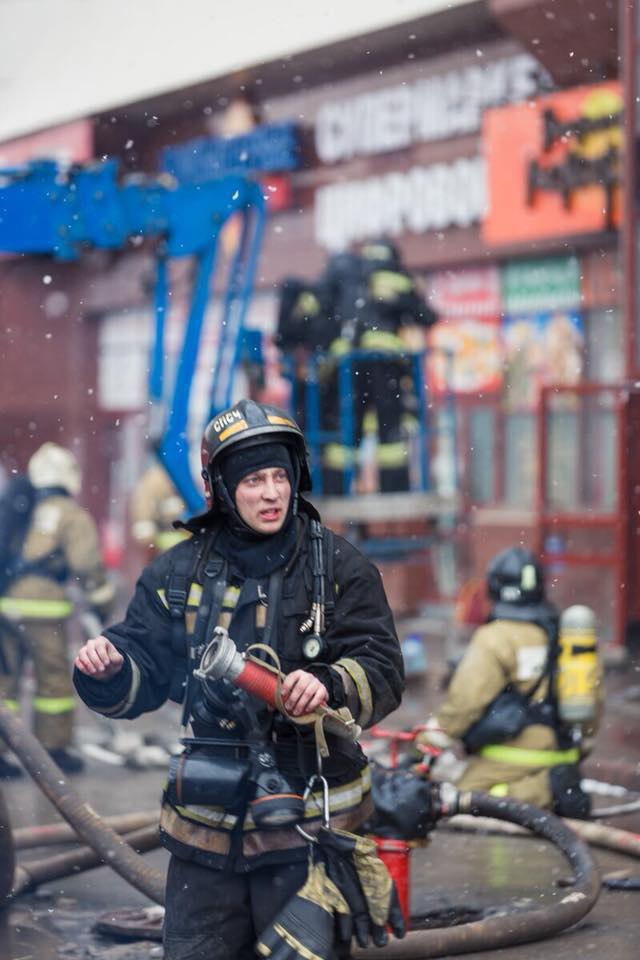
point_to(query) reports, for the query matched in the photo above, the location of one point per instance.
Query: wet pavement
(467, 872)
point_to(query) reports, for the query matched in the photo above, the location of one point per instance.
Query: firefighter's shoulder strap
(322, 565)
(210, 569)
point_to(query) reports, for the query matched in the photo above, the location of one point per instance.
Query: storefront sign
(432, 108)
(464, 293)
(554, 165)
(540, 349)
(267, 148)
(420, 199)
(465, 354)
(533, 285)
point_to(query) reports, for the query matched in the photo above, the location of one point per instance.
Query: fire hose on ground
(111, 848)
(517, 927)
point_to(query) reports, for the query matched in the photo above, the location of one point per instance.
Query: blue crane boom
(45, 209)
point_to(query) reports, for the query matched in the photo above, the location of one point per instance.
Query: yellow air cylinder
(578, 669)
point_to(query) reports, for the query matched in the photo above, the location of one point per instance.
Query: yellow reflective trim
(499, 790)
(234, 428)
(211, 816)
(381, 340)
(520, 757)
(392, 454)
(195, 595)
(281, 421)
(363, 688)
(35, 609)
(340, 346)
(193, 600)
(168, 538)
(307, 305)
(336, 456)
(11, 705)
(53, 705)
(387, 284)
(163, 596)
(370, 422)
(231, 595)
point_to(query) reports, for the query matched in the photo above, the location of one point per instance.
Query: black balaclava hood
(256, 554)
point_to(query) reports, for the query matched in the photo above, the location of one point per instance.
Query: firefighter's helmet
(55, 466)
(382, 252)
(248, 424)
(514, 576)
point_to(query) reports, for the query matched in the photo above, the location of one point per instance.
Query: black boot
(68, 759)
(9, 770)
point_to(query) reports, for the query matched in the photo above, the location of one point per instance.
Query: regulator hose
(518, 926)
(112, 848)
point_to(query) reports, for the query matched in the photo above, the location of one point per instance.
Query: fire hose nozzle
(221, 660)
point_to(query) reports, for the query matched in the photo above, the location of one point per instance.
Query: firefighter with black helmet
(502, 699)
(260, 564)
(370, 299)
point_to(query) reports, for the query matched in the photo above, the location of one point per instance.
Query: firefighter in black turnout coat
(260, 563)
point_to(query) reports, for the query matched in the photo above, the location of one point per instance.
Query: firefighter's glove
(306, 928)
(356, 869)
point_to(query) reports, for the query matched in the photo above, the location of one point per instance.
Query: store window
(605, 345)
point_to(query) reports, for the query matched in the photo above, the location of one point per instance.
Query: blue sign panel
(267, 148)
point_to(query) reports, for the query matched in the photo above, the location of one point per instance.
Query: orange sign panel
(553, 165)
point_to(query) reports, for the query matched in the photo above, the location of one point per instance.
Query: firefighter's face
(262, 499)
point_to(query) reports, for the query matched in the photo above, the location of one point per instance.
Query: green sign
(531, 286)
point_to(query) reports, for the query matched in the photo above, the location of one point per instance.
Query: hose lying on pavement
(595, 834)
(29, 876)
(112, 849)
(52, 834)
(514, 927)
(489, 933)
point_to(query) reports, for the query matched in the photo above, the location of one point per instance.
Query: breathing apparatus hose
(518, 926)
(112, 848)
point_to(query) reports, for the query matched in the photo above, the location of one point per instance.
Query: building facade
(495, 167)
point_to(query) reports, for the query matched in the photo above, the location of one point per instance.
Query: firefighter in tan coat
(502, 700)
(155, 504)
(60, 548)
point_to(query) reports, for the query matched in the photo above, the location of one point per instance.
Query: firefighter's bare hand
(98, 658)
(302, 692)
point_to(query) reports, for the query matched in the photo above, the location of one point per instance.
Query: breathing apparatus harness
(223, 770)
(512, 709)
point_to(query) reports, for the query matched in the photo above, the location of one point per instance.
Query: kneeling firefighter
(261, 566)
(506, 699)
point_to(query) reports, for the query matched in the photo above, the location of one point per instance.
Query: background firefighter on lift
(526, 698)
(364, 301)
(60, 547)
